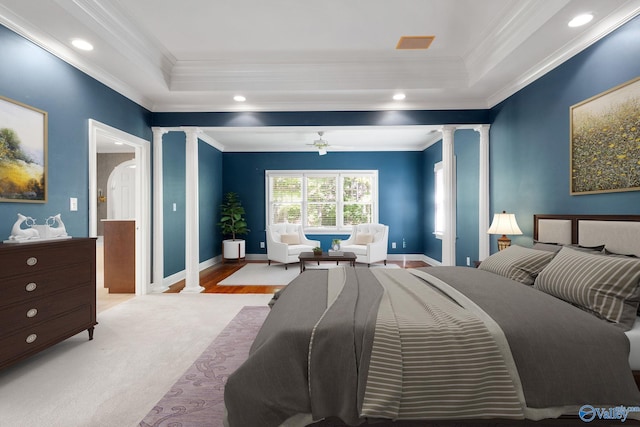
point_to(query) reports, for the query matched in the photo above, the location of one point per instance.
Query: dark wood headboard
(575, 219)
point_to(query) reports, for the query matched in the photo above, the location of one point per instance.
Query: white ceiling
(302, 55)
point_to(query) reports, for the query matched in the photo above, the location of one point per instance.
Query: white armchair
(369, 243)
(286, 241)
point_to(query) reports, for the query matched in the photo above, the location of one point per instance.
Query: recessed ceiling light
(581, 20)
(399, 96)
(239, 98)
(82, 44)
(118, 143)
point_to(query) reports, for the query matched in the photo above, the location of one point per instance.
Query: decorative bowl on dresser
(48, 295)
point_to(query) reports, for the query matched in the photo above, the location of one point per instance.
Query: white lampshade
(504, 223)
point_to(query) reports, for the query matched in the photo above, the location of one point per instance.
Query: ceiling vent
(414, 42)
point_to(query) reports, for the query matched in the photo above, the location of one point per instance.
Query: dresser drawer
(27, 341)
(26, 288)
(42, 309)
(30, 258)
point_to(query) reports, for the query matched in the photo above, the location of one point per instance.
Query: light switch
(174, 207)
(73, 204)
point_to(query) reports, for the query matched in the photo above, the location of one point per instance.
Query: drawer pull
(31, 261)
(30, 287)
(31, 338)
(32, 312)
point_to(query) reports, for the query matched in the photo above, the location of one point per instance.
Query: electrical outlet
(261, 245)
(404, 243)
(468, 262)
(73, 204)
(393, 245)
(175, 207)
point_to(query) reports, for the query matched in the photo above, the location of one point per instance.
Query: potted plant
(335, 244)
(317, 251)
(233, 223)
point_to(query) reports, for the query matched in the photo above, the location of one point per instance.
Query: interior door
(121, 196)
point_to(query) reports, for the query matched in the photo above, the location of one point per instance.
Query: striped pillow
(517, 263)
(604, 285)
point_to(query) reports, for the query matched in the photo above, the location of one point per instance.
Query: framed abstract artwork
(605, 141)
(23, 153)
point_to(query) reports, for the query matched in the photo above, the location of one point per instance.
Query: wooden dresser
(47, 294)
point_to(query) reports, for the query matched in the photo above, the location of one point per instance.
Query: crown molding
(70, 56)
(612, 22)
(107, 19)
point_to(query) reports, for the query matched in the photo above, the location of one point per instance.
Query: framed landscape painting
(605, 141)
(23, 153)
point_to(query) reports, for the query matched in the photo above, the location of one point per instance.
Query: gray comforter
(565, 357)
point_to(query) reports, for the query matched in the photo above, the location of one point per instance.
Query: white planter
(233, 249)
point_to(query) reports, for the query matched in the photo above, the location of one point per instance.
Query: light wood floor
(210, 277)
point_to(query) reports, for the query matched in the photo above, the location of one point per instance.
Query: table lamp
(504, 223)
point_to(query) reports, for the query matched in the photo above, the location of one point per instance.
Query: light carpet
(197, 398)
(254, 274)
(140, 349)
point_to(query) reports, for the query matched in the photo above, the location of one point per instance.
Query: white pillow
(363, 239)
(290, 239)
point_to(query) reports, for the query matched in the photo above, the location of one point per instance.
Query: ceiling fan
(320, 144)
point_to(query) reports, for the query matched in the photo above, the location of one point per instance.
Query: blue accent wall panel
(173, 171)
(33, 76)
(209, 197)
(432, 245)
(530, 131)
(467, 151)
(400, 189)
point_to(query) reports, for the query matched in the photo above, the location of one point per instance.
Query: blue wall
(400, 189)
(210, 198)
(173, 170)
(529, 147)
(30, 75)
(432, 246)
(467, 152)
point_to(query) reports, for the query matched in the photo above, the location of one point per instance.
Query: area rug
(255, 274)
(262, 274)
(197, 398)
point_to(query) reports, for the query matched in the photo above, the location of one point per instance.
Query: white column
(483, 196)
(192, 229)
(448, 170)
(158, 215)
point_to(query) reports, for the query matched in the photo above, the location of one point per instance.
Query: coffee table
(309, 256)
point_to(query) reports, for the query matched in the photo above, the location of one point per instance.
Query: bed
(530, 334)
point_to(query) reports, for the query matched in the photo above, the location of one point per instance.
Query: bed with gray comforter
(436, 343)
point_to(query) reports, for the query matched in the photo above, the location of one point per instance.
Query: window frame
(340, 228)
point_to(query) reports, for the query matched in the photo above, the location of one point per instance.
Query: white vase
(233, 249)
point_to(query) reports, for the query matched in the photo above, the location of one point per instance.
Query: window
(322, 201)
(439, 200)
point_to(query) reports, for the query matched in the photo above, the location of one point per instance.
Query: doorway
(101, 137)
